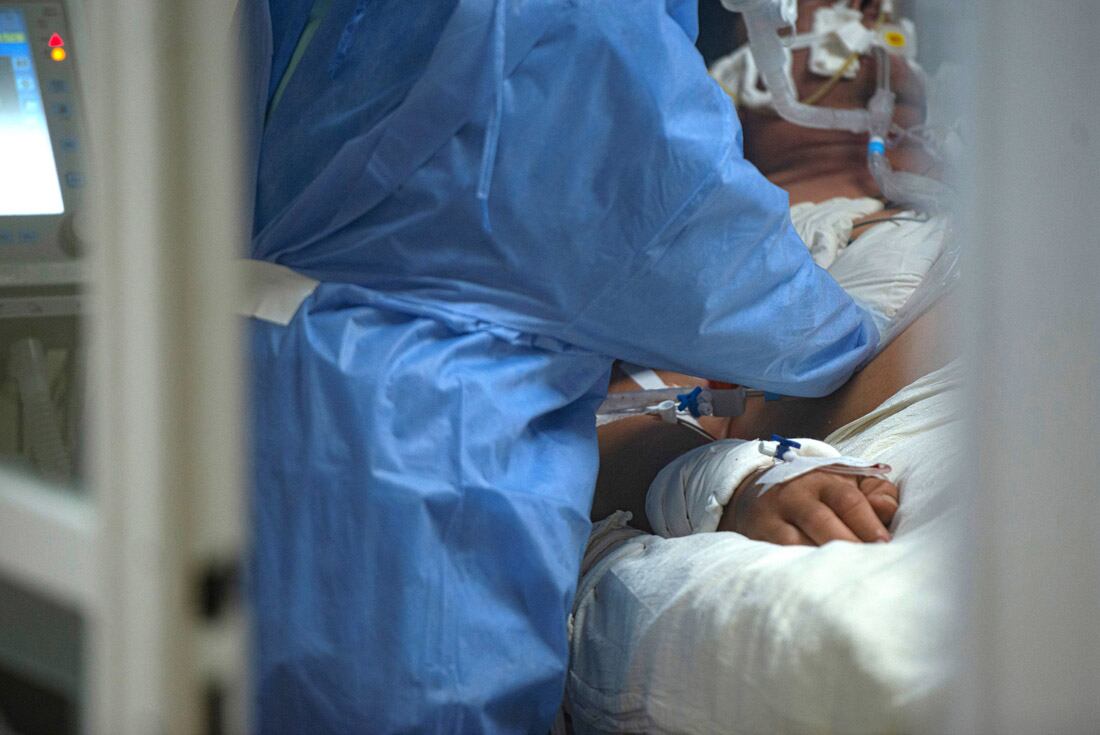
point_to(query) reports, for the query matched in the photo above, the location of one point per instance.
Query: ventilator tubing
(781, 12)
(901, 187)
(27, 365)
(921, 193)
(771, 59)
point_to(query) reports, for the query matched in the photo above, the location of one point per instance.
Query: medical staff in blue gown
(497, 198)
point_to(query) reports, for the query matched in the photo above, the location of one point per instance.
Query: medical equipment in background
(42, 152)
(889, 40)
(119, 603)
(46, 520)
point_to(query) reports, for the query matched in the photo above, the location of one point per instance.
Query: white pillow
(883, 267)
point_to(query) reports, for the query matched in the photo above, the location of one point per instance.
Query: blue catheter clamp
(690, 401)
(784, 445)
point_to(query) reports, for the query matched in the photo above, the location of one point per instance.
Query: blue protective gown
(499, 198)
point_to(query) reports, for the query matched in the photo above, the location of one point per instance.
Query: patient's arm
(633, 451)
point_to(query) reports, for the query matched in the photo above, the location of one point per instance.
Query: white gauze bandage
(691, 493)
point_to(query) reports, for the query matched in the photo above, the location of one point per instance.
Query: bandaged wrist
(689, 495)
(812, 455)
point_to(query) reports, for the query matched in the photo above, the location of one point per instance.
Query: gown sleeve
(717, 282)
(733, 294)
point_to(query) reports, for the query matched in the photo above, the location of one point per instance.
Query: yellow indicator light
(895, 39)
(58, 54)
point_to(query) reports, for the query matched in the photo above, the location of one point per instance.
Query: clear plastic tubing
(27, 365)
(771, 60)
(897, 186)
(920, 192)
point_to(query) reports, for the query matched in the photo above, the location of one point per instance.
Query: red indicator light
(56, 41)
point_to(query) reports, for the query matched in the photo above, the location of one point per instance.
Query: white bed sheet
(714, 633)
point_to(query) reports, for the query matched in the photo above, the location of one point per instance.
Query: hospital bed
(714, 633)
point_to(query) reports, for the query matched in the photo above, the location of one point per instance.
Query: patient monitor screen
(29, 183)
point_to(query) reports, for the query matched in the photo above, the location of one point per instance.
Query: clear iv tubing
(902, 187)
(660, 400)
(919, 191)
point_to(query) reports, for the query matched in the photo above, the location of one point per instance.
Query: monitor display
(29, 184)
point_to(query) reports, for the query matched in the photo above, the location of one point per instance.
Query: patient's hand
(813, 509)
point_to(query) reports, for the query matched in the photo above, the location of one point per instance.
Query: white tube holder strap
(646, 378)
(794, 458)
(273, 292)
